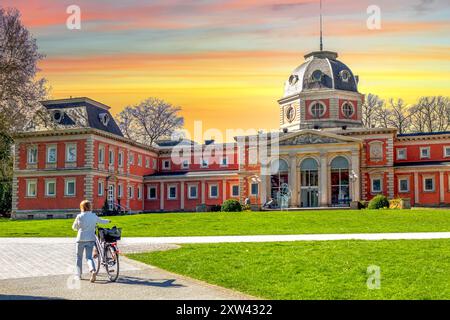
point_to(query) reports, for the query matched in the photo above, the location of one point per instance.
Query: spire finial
(321, 38)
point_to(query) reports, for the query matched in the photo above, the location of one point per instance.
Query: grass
(410, 269)
(248, 223)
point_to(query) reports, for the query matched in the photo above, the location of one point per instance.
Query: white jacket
(85, 224)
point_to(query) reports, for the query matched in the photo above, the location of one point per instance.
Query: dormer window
(345, 75)
(57, 116)
(104, 119)
(316, 76)
(293, 79)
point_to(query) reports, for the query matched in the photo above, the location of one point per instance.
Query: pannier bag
(110, 235)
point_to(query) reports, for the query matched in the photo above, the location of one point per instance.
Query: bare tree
(370, 110)
(20, 92)
(431, 114)
(150, 120)
(399, 116)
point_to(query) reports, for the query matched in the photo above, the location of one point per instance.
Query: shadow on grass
(127, 280)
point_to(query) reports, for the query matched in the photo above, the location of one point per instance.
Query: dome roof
(321, 70)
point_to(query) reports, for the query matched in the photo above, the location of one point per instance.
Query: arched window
(347, 110)
(317, 110)
(278, 165)
(340, 183)
(309, 183)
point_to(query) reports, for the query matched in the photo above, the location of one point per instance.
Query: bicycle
(108, 251)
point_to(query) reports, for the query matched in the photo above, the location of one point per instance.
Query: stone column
(161, 196)
(203, 193)
(441, 187)
(292, 179)
(416, 188)
(323, 183)
(356, 185)
(182, 195)
(265, 184)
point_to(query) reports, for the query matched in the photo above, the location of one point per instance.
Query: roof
(191, 174)
(83, 112)
(421, 163)
(418, 134)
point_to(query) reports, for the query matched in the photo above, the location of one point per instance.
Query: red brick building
(322, 153)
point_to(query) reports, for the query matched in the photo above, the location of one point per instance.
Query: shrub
(379, 202)
(246, 207)
(216, 208)
(231, 205)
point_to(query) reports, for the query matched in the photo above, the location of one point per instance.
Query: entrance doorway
(340, 182)
(309, 189)
(279, 177)
(111, 197)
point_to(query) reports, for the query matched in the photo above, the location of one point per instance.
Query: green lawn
(410, 269)
(248, 223)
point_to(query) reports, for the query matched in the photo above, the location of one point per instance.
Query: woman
(85, 223)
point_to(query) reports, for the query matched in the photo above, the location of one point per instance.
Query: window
(32, 155)
(70, 188)
(100, 188)
(139, 160)
(155, 163)
(376, 151)
(172, 193)
(139, 192)
(290, 114)
(31, 188)
(425, 153)
(119, 190)
(151, 193)
(166, 164)
(147, 162)
(235, 191)
(51, 154)
(50, 188)
(403, 185)
(130, 192)
(428, 184)
(204, 163)
(213, 191)
(347, 110)
(317, 110)
(193, 192)
(401, 154)
(120, 159)
(131, 161)
(71, 153)
(376, 185)
(254, 189)
(185, 164)
(446, 152)
(224, 162)
(101, 154)
(111, 157)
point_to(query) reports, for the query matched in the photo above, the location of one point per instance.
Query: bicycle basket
(110, 235)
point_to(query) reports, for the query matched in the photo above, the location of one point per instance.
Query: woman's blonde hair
(85, 205)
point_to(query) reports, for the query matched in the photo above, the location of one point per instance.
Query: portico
(322, 169)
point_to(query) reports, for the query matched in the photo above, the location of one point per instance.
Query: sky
(225, 62)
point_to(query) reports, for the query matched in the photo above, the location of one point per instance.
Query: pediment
(308, 137)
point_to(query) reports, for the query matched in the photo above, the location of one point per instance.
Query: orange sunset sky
(225, 62)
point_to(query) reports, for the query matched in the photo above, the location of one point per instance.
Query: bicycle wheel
(112, 263)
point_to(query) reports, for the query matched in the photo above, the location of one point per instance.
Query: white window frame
(164, 162)
(191, 186)
(149, 193)
(222, 164)
(147, 162)
(130, 192)
(446, 154)
(100, 186)
(251, 189)
(372, 179)
(29, 183)
(428, 150)
(425, 185)
(120, 190)
(47, 182)
(185, 164)
(155, 164)
(210, 191)
(131, 160)
(400, 179)
(120, 157)
(101, 154)
(139, 192)
(204, 163)
(66, 187)
(405, 153)
(231, 191)
(51, 147)
(35, 150)
(111, 157)
(68, 147)
(139, 160)
(169, 197)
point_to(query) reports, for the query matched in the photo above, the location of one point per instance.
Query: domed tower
(321, 93)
